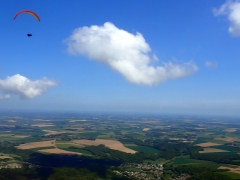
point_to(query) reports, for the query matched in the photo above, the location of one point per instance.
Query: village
(144, 171)
(147, 171)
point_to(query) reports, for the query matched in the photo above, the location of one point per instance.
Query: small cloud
(5, 96)
(232, 10)
(125, 53)
(25, 88)
(155, 58)
(211, 64)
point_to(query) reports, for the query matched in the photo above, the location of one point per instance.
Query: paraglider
(29, 12)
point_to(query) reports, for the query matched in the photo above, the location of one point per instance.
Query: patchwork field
(112, 144)
(156, 139)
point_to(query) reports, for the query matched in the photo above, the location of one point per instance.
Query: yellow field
(228, 139)
(174, 139)
(41, 120)
(80, 129)
(124, 132)
(83, 120)
(207, 144)
(12, 135)
(3, 135)
(151, 122)
(36, 144)
(209, 134)
(212, 150)
(112, 144)
(43, 125)
(49, 132)
(70, 143)
(20, 136)
(146, 129)
(234, 170)
(3, 156)
(11, 121)
(230, 130)
(200, 128)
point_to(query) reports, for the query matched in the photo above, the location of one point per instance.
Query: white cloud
(24, 87)
(232, 10)
(155, 58)
(211, 64)
(4, 96)
(126, 53)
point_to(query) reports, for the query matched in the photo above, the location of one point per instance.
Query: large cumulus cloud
(126, 53)
(232, 10)
(24, 87)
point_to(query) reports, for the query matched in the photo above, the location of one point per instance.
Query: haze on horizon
(122, 56)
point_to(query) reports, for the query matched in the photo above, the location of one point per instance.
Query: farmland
(213, 143)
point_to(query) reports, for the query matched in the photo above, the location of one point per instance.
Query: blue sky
(140, 56)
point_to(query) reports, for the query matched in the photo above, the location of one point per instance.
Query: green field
(231, 174)
(186, 160)
(79, 150)
(143, 149)
(228, 148)
(91, 134)
(42, 148)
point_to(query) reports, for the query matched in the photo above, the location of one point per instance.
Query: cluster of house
(143, 171)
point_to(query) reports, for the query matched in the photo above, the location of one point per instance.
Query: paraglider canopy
(29, 12)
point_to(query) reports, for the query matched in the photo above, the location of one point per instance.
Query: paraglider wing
(29, 12)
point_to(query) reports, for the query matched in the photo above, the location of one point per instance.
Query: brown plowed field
(36, 144)
(112, 144)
